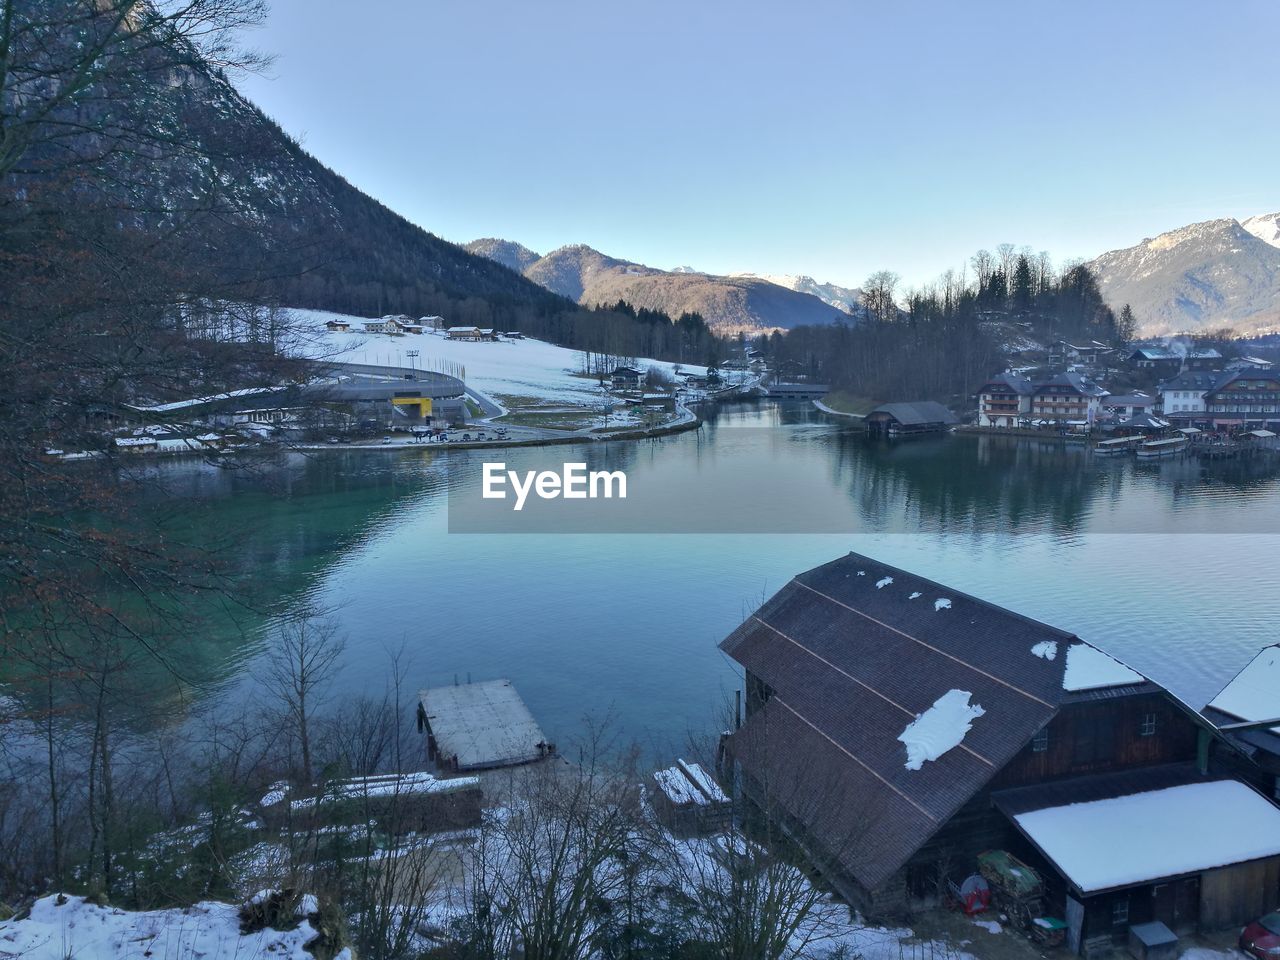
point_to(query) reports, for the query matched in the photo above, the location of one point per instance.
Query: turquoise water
(1163, 565)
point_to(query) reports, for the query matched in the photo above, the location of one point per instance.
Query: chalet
(1245, 398)
(340, 326)
(1004, 401)
(625, 378)
(1182, 397)
(1126, 405)
(463, 333)
(664, 402)
(897, 728)
(1247, 715)
(1067, 397)
(910, 419)
(1090, 354)
(381, 325)
(432, 322)
(1162, 360)
(1206, 359)
(488, 333)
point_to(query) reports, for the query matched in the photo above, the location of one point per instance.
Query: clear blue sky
(827, 138)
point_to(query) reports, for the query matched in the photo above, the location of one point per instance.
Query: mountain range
(739, 303)
(1205, 276)
(313, 240)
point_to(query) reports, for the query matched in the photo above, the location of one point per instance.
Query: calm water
(1163, 565)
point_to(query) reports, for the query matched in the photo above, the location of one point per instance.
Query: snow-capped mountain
(1220, 273)
(1266, 227)
(847, 299)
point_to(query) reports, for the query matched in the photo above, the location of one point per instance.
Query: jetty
(479, 726)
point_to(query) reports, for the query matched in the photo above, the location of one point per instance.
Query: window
(1148, 726)
(1040, 742)
(1120, 913)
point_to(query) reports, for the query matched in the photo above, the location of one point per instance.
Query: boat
(1118, 445)
(1167, 447)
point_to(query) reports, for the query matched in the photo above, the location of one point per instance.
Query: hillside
(271, 220)
(729, 304)
(515, 256)
(1220, 273)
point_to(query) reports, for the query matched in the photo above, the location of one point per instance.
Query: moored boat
(1166, 447)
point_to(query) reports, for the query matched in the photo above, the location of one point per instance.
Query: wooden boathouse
(479, 726)
(910, 419)
(896, 728)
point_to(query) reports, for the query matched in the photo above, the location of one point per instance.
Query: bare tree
(300, 669)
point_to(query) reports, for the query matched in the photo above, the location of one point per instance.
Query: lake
(1168, 566)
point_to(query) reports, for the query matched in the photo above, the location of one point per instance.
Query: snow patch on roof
(1131, 839)
(1088, 668)
(915, 595)
(1254, 693)
(1045, 649)
(884, 582)
(938, 729)
(942, 603)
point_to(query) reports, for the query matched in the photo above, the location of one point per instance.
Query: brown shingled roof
(850, 664)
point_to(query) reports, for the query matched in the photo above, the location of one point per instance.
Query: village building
(1182, 396)
(897, 728)
(664, 402)
(800, 390)
(625, 378)
(1004, 401)
(463, 333)
(382, 325)
(1067, 397)
(1249, 399)
(1089, 354)
(1249, 363)
(1125, 405)
(479, 726)
(339, 326)
(910, 419)
(1162, 360)
(1206, 359)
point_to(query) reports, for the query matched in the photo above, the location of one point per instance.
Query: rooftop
(916, 412)
(903, 693)
(1142, 837)
(482, 724)
(1254, 692)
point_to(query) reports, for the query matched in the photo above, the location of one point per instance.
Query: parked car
(1261, 939)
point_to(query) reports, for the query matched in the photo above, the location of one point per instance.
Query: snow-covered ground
(521, 368)
(210, 931)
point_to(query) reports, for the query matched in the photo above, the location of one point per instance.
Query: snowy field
(519, 368)
(211, 931)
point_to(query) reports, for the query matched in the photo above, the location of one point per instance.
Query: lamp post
(413, 356)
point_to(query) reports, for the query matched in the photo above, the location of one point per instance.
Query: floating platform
(479, 726)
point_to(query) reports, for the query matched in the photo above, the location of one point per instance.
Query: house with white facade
(1182, 397)
(1004, 400)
